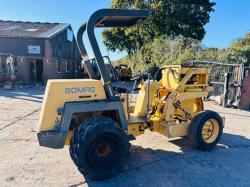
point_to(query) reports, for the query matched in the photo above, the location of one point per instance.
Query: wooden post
(226, 87)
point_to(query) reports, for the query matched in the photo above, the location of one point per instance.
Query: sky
(229, 21)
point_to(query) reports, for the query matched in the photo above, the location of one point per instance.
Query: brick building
(41, 51)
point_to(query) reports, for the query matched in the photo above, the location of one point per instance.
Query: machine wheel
(205, 130)
(99, 147)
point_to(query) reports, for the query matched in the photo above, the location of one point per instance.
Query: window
(34, 49)
(67, 66)
(58, 66)
(70, 35)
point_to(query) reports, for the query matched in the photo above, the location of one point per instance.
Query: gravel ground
(154, 160)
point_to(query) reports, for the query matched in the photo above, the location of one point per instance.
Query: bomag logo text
(82, 90)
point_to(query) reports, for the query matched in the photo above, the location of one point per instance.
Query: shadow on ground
(189, 167)
(33, 94)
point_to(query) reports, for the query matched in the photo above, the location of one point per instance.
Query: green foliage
(162, 51)
(238, 51)
(208, 54)
(173, 18)
(166, 50)
(171, 36)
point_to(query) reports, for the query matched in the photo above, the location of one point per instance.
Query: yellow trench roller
(98, 121)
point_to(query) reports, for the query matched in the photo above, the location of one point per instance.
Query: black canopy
(106, 18)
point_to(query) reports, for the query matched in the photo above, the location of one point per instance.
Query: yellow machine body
(141, 101)
(58, 92)
(172, 102)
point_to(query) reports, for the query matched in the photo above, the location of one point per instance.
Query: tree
(164, 50)
(238, 51)
(173, 18)
(208, 54)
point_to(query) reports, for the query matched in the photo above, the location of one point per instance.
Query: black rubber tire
(86, 142)
(195, 129)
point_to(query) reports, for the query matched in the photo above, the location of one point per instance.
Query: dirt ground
(153, 161)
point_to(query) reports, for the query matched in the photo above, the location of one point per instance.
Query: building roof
(30, 29)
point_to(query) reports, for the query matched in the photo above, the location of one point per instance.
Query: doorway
(36, 70)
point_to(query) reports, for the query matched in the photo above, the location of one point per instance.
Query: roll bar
(106, 18)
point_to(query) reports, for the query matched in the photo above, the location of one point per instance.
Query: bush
(166, 50)
(162, 51)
